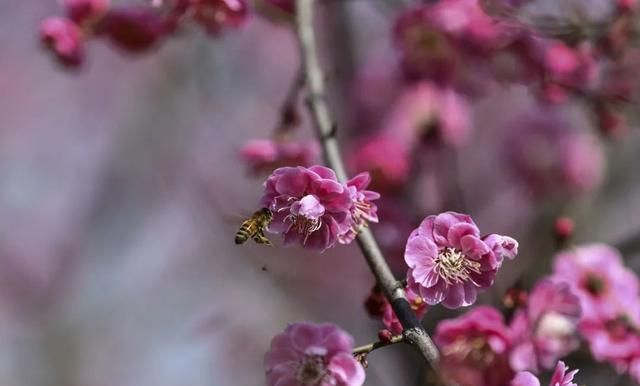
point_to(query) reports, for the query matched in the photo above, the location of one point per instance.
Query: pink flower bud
(63, 38)
(563, 228)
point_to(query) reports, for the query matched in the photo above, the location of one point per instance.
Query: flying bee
(254, 227)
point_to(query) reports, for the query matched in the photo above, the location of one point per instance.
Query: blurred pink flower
(427, 113)
(64, 39)
(133, 29)
(386, 158)
(449, 262)
(615, 339)
(363, 210)
(546, 329)
(475, 347)
(310, 206)
(596, 274)
(389, 318)
(549, 155)
(265, 155)
(215, 15)
(308, 354)
(560, 377)
(85, 11)
(567, 68)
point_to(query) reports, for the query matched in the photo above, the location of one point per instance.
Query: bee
(254, 227)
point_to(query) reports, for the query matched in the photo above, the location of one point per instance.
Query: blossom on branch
(561, 377)
(311, 207)
(64, 39)
(308, 354)
(449, 261)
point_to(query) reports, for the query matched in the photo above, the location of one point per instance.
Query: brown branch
(414, 333)
(367, 348)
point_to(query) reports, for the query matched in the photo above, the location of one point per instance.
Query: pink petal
(292, 182)
(360, 181)
(324, 172)
(420, 251)
(459, 230)
(347, 370)
(473, 247)
(525, 378)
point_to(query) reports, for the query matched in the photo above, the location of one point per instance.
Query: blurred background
(122, 186)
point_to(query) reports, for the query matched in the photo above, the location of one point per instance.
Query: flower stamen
(454, 267)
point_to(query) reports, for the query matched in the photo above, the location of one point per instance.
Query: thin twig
(367, 348)
(414, 333)
(289, 109)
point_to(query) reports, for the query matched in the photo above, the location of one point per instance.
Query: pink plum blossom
(363, 210)
(475, 347)
(449, 261)
(386, 158)
(64, 39)
(561, 377)
(546, 329)
(596, 275)
(311, 207)
(389, 318)
(132, 29)
(550, 156)
(308, 354)
(426, 113)
(263, 155)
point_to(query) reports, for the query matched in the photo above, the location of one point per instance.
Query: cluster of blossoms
(609, 294)
(311, 207)
(134, 28)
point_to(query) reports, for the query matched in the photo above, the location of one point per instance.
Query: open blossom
(426, 113)
(262, 155)
(308, 354)
(64, 39)
(311, 207)
(596, 274)
(549, 155)
(546, 329)
(389, 318)
(449, 261)
(561, 377)
(475, 347)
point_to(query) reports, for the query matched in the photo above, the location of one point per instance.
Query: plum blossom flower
(262, 155)
(561, 377)
(309, 206)
(429, 114)
(308, 354)
(132, 29)
(64, 39)
(449, 261)
(389, 318)
(596, 275)
(386, 158)
(363, 210)
(85, 11)
(475, 347)
(549, 155)
(615, 339)
(546, 329)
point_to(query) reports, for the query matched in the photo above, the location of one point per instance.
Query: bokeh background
(121, 189)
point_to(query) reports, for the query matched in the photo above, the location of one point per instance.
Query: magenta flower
(426, 113)
(64, 39)
(263, 155)
(546, 329)
(363, 210)
(475, 348)
(133, 29)
(389, 318)
(560, 377)
(596, 274)
(386, 158)
(309, 206)
(85, 11)
(615, 340)
(449, 261)
(308, 354)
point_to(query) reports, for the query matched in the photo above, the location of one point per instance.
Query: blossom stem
(414, 333)
(367, 348)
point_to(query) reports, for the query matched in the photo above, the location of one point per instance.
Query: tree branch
(367, 348)
(414, 333)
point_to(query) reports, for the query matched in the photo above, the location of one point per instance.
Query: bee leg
(260, 238)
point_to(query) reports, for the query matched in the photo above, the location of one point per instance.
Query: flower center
(454, 267)
(311, 370)
(305, 215)
(594, 285)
